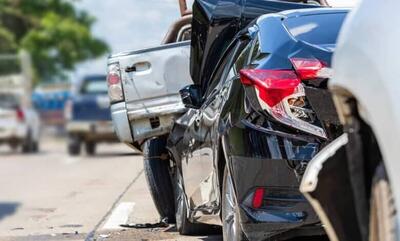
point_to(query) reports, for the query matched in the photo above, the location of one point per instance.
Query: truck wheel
(383, 211)
(90, 148)
(157, 170)
(74, 145)
(183, 225)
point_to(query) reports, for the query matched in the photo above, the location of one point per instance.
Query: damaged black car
(258, 112)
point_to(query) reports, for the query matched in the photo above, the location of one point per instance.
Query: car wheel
(74, 145)
(382, 211)
(90, 148)
(231, 228)
(35, 147)
(27, 144)
(157, 170)
(183, 225)
(14, 146)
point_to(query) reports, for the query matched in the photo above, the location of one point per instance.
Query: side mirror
(191, 96)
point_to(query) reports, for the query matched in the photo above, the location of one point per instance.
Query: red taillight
(20, 115)
(310, 68)
(258, 198)
(113, 79)
(273, 85)
(114, 83)
(281, 94)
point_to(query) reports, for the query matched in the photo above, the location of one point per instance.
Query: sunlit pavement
(52, 196)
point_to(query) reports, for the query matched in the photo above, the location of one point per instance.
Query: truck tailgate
(151, 80)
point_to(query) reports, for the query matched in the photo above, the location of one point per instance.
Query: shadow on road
(8, 209)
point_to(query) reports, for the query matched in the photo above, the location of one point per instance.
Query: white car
(19, 125)
(357, 196)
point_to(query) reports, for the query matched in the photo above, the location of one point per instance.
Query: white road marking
(119, 216)
(71, 160)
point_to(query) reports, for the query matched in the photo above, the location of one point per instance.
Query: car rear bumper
(285, 208)
(265, 160)
(13, 133)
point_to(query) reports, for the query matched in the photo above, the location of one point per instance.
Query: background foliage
(57, 35)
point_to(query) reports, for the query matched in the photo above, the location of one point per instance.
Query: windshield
(8, 101)
(95, 86)
(319, 29)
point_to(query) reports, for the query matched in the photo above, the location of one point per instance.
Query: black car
(256, 117)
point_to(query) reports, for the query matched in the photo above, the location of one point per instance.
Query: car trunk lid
(216, 22)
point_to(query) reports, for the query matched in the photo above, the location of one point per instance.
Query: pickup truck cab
(88, 115)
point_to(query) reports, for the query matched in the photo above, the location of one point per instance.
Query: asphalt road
(52, 196)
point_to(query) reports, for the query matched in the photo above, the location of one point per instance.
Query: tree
(55, 34)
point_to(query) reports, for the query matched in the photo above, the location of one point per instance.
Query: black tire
(14, 146)
(183, 225)
(35, 147)
(231, 229)
(74, 146)
(383, 211)
(90, 148)
(157, 169)
(27, 145)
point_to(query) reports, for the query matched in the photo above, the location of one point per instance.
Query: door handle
(138, 67)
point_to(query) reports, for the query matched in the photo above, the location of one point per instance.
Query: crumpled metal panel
(216, 22)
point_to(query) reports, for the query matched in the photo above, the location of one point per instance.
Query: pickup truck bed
(151, 80)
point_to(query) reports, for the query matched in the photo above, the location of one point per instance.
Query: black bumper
(264, 160)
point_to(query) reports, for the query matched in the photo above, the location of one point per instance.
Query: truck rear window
(96, 86)
(319, 29)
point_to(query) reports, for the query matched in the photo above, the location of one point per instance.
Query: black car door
(204, 183)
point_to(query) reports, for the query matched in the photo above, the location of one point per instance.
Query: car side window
(242, 60)
(235, 60)
(243, 54)
(221, 71)
(256, 55)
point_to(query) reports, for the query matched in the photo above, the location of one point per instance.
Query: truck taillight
(282, 95)
(20, 115)
(115, 91)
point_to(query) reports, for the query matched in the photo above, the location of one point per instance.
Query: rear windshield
(319, 29)
(8, 101)
(95, 86)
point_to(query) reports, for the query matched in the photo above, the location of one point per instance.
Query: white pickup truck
(143, 87)
(19, 122)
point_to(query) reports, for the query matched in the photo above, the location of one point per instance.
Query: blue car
(88, 115)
